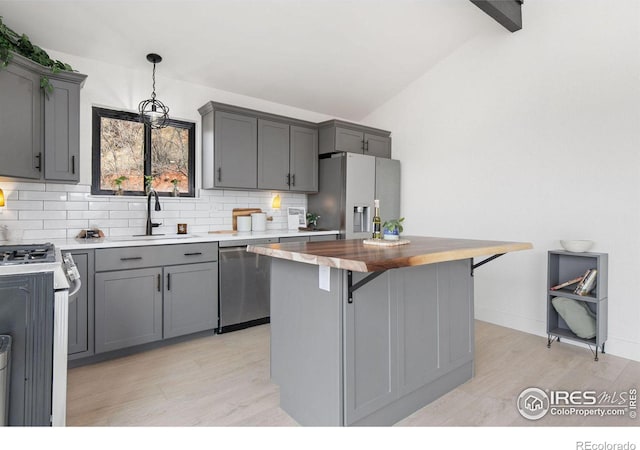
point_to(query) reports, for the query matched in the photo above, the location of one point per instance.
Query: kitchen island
(366, 335)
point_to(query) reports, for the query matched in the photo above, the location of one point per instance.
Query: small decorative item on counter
(312, 220)
(91, 233)
(182, 228)
(175, 192)
(392, 229)
(376, 220)
(118, 182)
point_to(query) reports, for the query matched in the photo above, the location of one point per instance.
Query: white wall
(52, 211)
(532, 136)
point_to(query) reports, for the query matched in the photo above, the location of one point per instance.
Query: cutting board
(242, 212)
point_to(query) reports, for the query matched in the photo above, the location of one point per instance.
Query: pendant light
(152, 111)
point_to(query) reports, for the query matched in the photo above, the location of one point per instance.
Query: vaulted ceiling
(343, 58)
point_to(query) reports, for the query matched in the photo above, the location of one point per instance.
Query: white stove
(34, 258)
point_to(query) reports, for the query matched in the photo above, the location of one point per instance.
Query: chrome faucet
(151, 225)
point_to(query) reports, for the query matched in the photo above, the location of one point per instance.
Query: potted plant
(392, 229)
(312, 220)
(118, 182)
(175, 192)
(148, 182)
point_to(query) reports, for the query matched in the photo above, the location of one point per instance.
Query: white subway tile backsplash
(20, 205)
(127, 214)
(59, 215)
(49, 211)
(108, 206)
(68, 187)
(66, 206)
(87, 215)
(37, 195)
(79, 224)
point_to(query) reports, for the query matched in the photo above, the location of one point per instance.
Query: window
(126, 149)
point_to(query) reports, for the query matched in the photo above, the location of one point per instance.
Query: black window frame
(96, 171)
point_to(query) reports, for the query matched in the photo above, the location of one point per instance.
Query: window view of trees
(121, 143)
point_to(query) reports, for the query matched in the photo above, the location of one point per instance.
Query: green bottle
(377, 223)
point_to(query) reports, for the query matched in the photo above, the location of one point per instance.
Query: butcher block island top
(354, 255)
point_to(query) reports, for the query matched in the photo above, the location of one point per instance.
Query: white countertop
(134, 241)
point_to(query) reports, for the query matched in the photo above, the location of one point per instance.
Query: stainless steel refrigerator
(348, 184)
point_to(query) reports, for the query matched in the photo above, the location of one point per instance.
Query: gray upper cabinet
(20, 125)
(40, 130)
(273, 155)
(375, 145)
(248, 149)
(303, 162)
(339, 136)
(62, 132)
(349, 140)
(236, 156)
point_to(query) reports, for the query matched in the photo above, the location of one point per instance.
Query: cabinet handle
(168, 282)
(193, 254)
(219, 173)
(131, 258)
(159, 283)
(288, 179)
(363, 150)
(39, 163)
(293, 179)
(366, 146)
(73, 164)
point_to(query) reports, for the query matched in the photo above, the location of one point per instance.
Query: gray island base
(405, 338)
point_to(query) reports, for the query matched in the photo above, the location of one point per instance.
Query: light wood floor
(224, 381)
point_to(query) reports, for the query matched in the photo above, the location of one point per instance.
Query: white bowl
(578, 246)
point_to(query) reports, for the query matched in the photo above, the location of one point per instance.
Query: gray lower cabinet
(340, 136)
(128, 308)
(40, 129)
(149, 293)
(190, 299)
(81, 309)
(323, 237)
(385, 353)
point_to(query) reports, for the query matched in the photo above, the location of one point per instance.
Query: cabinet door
(62, 132)
(377, 145)
(190, 299)
(20, 123)
(81, 310)
(370, 349)
(235, 150)
(304, 159)
(349, 140)
(273, 155)
(128, 308)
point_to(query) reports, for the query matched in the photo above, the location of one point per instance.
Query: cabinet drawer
(155, 255)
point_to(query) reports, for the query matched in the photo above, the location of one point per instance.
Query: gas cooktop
(27, 254)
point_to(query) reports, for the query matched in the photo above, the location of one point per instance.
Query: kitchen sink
(154, 237)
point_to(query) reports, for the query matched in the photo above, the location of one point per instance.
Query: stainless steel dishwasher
(245, 283)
